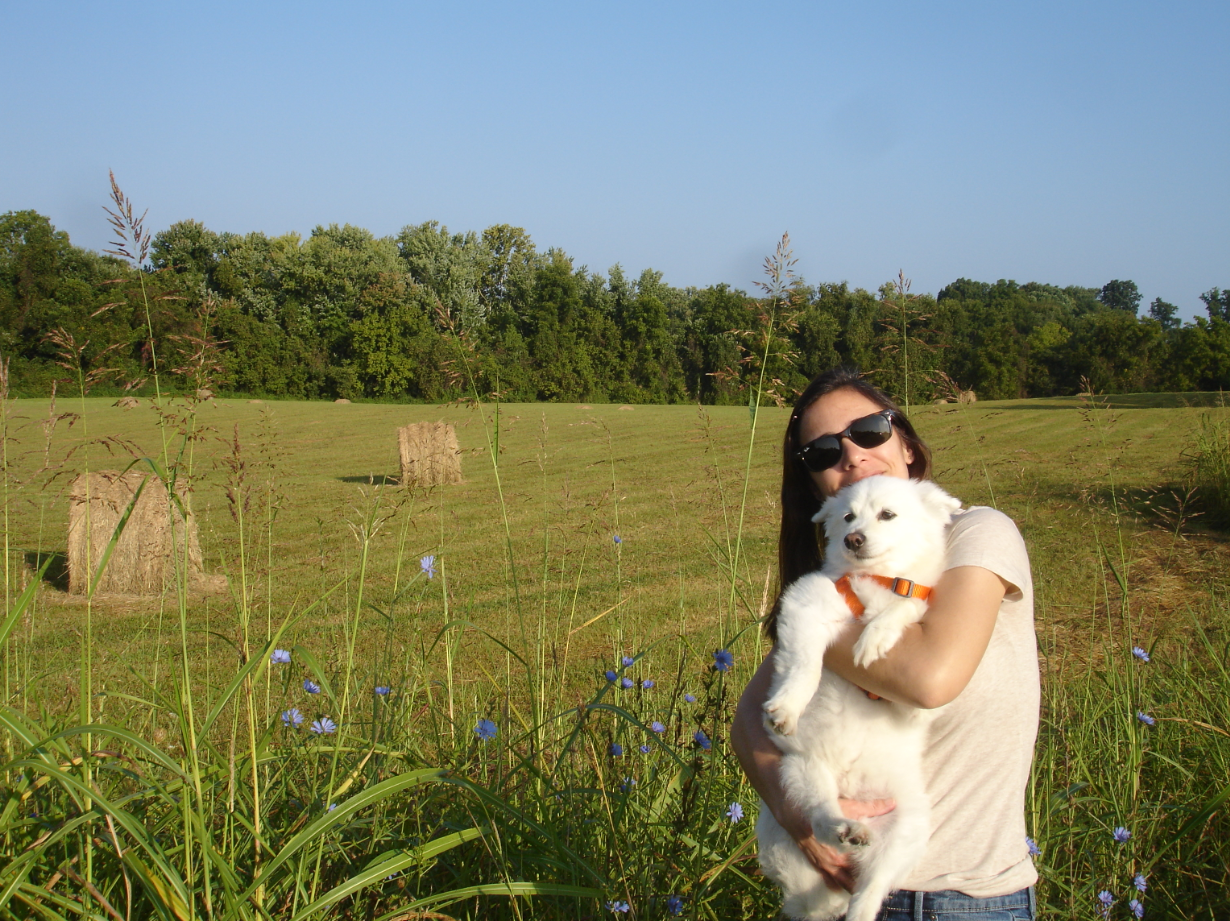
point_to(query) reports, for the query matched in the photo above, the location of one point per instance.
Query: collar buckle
(903, 587)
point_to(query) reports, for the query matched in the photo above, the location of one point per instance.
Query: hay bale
(967, 396)
(429, 454)
(341, 400)
(204, 393)
(127, 402)
(142, 562)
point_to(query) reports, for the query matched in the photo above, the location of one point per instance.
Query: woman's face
(833, 413)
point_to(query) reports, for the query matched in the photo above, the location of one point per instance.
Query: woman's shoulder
(986, 537)
(981, 517)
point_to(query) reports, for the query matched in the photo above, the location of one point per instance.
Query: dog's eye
(849, 516)
(887, 515)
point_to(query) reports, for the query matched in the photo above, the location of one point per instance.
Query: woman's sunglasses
(867, 432)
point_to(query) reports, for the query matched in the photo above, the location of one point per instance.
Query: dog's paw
(853, 834)
(780, 716)
(876, 639)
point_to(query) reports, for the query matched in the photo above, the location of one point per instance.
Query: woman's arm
(935, 658)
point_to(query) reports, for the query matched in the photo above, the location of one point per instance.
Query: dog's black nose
(854, 540)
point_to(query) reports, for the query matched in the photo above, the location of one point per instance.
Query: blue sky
(1070, 143)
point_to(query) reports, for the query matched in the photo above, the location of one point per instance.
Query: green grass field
(541, 599)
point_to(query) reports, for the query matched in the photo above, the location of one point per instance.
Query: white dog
(836, 739)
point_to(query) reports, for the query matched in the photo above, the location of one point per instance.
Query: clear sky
(1070, 142)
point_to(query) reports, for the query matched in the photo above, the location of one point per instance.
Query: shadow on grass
(372, 479)
(57, 573)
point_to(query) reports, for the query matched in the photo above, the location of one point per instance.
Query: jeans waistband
(951, 900)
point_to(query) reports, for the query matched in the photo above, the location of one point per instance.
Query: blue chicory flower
(311, 686)
(1140, 654)
(1032, 845)
(647, 684)
(616, 749)
(382, 690)
(610, 675)
(280, 657)
(625, 683)
(1105, 900)
(627, 660)
(618, 907)
(617, 539)
(702, 740)
(1145, 718)
(1138, 908)
(674, 904)
(486, 730)
(689, 698)
(323, 726)
(628, 784)
(1121, 834)
(1141, 882)
(657, 727)
(735, 813)
(723, 661)
(428, 565)
(294, 719)
(645, 749)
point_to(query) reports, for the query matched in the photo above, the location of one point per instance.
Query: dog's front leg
(885, 622)
(811, 616)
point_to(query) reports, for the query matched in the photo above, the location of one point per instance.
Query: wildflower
(627, 660)
(280, 657)
(689, 698)
(1138, 908)
(332, 806)
(294, 719)
(1030, 843)
(617, 540)
(323, 726)
(723, 661)
(428, 565)
(645, 749)
(1145, 718)
(616, 749)
(1105, 900)
(674, 904)
(735, 813)
(625, 683)
(647, 683)
(702, 740)
(311, 686)
(628, 784)
(610, 675)
(1141, 882)
(382, 690)
(657, 727)
(485, 730)
(618, 907)
(1121, 834)
(1140, 654)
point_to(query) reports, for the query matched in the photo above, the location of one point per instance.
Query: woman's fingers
(830, 864)
(865, 809)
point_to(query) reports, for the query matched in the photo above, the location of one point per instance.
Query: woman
(973, 654)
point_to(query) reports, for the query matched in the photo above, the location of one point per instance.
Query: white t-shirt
(980, 746)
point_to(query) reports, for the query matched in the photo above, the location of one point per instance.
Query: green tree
(1164, 313)
(1120, 295)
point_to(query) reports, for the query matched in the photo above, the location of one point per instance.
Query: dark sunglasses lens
(821, 454)
(871, 431)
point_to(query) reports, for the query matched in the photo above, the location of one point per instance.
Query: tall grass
(1210, 467)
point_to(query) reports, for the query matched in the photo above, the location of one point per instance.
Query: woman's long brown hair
(798, 544)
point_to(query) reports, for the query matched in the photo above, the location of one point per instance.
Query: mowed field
(1087, 484)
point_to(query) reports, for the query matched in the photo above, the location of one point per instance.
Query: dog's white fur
(835, 740)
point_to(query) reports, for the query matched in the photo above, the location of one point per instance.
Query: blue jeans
(949, 905)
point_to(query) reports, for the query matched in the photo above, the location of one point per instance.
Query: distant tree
(1164, 313)
(188, 248)
(1217, 302)
(1120, 295)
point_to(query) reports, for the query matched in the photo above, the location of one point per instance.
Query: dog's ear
(936, 501)
(825, 513)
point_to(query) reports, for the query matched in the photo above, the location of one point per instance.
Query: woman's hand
(830, 863)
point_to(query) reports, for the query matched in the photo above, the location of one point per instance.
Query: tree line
(432, 315)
